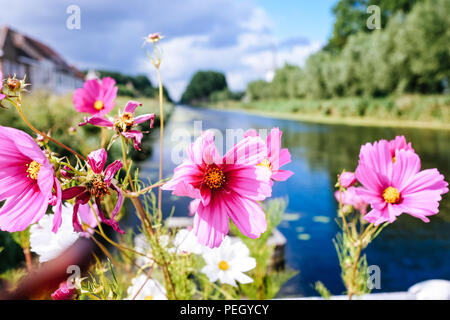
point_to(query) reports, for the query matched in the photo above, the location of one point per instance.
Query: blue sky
(245, 39)
(293, 18)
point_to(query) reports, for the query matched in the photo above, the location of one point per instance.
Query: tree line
(409, 54)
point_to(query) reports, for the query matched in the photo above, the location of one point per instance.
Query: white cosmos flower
(186, 241)
(143, 288)
(228, 262)
(47, 244)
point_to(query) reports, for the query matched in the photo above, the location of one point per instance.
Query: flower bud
(66, 172)
(64, 292)
(13, 84)
(347, 179)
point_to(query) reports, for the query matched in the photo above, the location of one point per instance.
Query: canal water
(407, 252)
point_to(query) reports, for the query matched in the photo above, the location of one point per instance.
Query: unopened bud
(13, 84)
(66, 172)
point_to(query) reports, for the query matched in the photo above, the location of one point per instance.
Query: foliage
(202, 85)
(351, 17)
(322, 290)
(418, 108)
(259, 90)
(410, 54)
(267, 281)
(11, 255)
(225, 95)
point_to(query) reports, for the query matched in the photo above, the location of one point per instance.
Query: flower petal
(131, 106)
(97, 160)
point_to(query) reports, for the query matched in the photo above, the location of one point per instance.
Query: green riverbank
(411, 111)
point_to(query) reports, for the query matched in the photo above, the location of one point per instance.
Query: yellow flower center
(391, 195)
(150, 297)
(265, 163)
(393, 159)
(125, 122)
(214, 178)
(98, 105)
(33, 170)
(223, 265)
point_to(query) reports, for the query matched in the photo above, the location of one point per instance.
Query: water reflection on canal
(407, 252)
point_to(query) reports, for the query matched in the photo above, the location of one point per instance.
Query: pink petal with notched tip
(248, 151)
(211, 223)
(246, 214)
(131, 106)
(111, 170)
(252, 182)
(187, 172)
(184, 189)
(97, 121)
(97, 160)
(282, 175)
(145, 117)
(136, 136)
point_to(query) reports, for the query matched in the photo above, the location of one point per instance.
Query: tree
(351, 17)
(259, 90)
(202, 85)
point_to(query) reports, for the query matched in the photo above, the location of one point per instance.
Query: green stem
(161, 141)
(28, 123)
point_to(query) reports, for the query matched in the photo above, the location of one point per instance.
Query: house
(45, 69)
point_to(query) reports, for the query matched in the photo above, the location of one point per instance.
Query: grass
(417, 111)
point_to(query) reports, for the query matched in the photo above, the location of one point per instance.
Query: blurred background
(332, 74)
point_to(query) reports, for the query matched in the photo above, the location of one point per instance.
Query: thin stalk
(136, 194)
(136, 202)
(27, 253)
(343, 214)
(355, 267)
(22, 115)
(161, 131)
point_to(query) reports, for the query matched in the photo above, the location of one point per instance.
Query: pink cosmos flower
(27, 181)
(64, 292)
(97, 185)
(124, 123)
(399, 143)
(275, 157)
(352, 198)
(96, 98)
(393, 188)
(347, 179)
(227, 187)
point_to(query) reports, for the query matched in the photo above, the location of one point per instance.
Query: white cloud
(229, 36)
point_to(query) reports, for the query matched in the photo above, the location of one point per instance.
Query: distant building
(92, 74)
(45, 69)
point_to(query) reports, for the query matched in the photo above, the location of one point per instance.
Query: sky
(244, 39)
